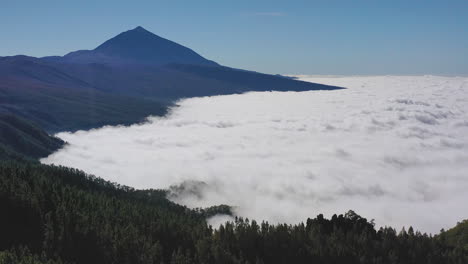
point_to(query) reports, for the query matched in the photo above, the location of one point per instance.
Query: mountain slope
(56, 101)
(20, 139)
(245, 81)
(127, 78)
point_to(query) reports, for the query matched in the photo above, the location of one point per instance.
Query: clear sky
(287, 37)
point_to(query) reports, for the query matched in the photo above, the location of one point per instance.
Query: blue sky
(287, 37)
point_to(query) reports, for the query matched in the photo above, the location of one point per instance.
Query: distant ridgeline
(61, 215)
(125, 79)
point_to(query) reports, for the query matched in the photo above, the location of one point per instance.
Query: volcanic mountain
(125, 79)
(138, 46)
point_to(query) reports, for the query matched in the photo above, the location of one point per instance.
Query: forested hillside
(456, 236)
(20, 139)
(61, 215)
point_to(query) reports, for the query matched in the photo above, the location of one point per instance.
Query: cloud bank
(391, 148)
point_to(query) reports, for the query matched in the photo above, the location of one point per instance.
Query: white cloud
(391, 148)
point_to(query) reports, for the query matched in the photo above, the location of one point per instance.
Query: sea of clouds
(392, 148)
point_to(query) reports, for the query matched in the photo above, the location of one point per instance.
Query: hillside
(64, 215)
(20, 139)
(457, 236)
(55, 101)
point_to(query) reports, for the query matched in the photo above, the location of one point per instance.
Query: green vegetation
(19, 139)
(24, 256)
(61, 215)
(456, 236)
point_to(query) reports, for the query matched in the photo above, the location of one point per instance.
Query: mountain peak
(140, 29)
(139, 46)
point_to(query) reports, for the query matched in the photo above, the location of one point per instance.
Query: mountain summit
(138, 46)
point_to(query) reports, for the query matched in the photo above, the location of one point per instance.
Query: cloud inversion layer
(390, 148)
